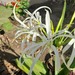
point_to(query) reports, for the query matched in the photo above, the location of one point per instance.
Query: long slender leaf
(59, 25)
(52, 27)
(71, 21)
(39, 67)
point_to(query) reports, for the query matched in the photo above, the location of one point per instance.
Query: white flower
(34, 28)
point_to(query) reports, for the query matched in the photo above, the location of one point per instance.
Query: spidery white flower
(33, 27)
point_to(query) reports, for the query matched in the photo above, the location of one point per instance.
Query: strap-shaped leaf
(39, 67)
(36, 59)
(59, 25)
(71, 21)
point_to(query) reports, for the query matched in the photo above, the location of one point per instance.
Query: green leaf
(7, 26)
(73, 64)
(52, 27)
(59, 25)
(64, 70)
(58, 41)
(4, 14)
(63, 40)
(71, 21)
(39, 67)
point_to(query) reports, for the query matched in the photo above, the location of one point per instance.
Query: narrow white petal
(47, 21)
(35, 60)
(68, 46)
(57, 59)
(23, 44)
(22, 24)
(71, 57)
(34, 37)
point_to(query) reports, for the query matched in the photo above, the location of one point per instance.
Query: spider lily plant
(42, 36)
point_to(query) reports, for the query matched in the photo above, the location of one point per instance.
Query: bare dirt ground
(9, 51)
